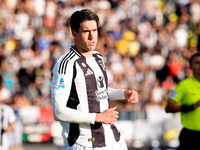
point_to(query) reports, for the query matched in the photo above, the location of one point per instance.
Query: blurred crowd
(146, 45)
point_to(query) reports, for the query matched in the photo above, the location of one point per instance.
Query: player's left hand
(131, 96)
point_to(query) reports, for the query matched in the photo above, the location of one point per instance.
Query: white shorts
(120, 145)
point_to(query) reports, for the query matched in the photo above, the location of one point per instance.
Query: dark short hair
(193, 56)
(80, 16)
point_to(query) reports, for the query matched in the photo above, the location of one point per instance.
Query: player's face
(86, 38)
(195, 65)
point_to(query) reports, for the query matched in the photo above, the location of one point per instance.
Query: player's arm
(187, 108)
(197, 104)
(173, 107)
(66, 114)
(60, 93)
(118, 94)
(174, 97)
(173, 104)
(10, 127)
(12, 119)
(109, 116)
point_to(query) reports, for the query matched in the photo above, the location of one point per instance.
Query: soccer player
(185, 98)
(7, 120)
(80, 92)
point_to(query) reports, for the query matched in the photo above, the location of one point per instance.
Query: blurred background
(146, 45)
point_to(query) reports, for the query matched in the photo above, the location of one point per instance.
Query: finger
(115, 118)
(129, 91)
(133, 95)
(116, 115)
(134, 100)
(114, 108)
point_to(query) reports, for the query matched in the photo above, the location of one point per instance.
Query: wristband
(186, 108)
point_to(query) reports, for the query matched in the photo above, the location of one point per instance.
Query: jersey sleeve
(175, 95)
(12, 117)
(116, 94)
(60, 92)
(61, 82)
(65, 114)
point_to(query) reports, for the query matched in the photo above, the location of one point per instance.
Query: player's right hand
(109, 116)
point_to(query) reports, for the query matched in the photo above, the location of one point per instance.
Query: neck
(84, 52)
(87, 54)
(197, 78)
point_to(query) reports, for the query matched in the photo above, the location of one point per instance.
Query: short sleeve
(176, 94)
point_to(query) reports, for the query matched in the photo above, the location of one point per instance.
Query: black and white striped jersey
(7, 117)
(79, 90)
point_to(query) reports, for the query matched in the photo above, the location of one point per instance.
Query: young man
(185, 98)
(80, 92)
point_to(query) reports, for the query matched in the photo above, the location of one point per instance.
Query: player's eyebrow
(87, 30)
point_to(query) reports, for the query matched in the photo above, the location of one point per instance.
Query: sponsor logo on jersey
(61, 83)
(100, 82)
(89, 72)
(101, 95)
(172, 94)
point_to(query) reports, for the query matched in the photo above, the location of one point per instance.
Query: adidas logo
(89, 72)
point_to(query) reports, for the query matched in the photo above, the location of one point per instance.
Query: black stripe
(66, 56)
(99, 61)
(97, 129)
(77, 52)
(65, 61)
(2, 130)
(97, 54)
(73, 133)
(65, 64)
(102, 67)
(72, 102)
(116, 133)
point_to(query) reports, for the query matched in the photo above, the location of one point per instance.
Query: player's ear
(74, 34)
(190, 65)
